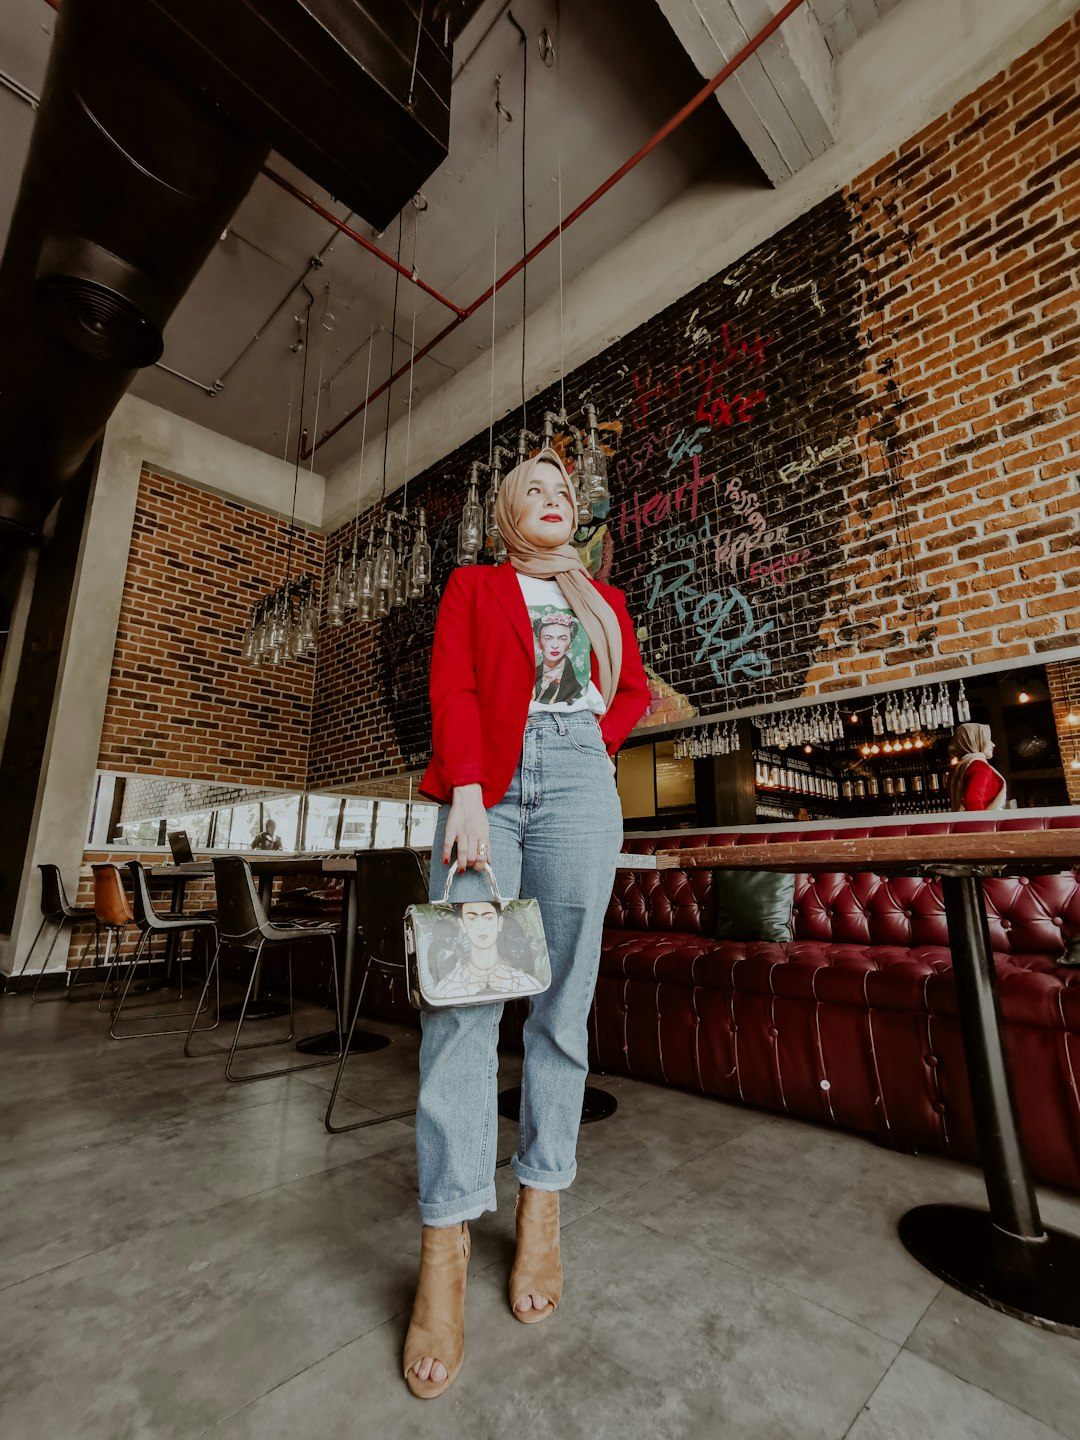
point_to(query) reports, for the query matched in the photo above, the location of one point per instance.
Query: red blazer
(483, 675)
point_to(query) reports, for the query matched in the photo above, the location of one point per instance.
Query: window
(390, 824)
(356, 826)
(321, 822)
(422, 823)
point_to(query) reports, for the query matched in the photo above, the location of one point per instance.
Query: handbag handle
(487, 870)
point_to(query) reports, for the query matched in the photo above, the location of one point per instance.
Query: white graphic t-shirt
(561, 651)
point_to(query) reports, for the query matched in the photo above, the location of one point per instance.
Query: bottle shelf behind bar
(827, 786)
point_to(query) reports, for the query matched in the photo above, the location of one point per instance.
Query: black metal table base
(1003, 1256)
(597, 1104)
(1035, 1280)
(363, 1042)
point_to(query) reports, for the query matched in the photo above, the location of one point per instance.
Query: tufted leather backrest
(1025, 915)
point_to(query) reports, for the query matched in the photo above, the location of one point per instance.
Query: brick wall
(970, 426)
(148, 797)
(181, 700)
(849, 459)
(1063, 680)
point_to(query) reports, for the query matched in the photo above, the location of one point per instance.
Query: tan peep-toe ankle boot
(537, 1267)
(437, 1327)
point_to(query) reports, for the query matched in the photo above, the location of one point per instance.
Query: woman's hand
(467, 828)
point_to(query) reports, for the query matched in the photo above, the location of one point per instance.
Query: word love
(669, 383)
(814, 458)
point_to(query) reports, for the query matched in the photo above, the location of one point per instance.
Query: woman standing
(974, 784)
(526, 783)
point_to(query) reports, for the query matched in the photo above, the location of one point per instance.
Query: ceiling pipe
(665, 130)
(402, 270)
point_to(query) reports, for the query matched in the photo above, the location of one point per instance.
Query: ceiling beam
(782, 101)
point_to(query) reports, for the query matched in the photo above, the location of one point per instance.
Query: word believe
(814, 458)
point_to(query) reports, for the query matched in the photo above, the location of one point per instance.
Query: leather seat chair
(242, 924)
(853, 1021)
(387, 883)
(56, 910)
(151, 922)
(113, 914)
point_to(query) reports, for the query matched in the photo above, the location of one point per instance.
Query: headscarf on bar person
(564, 565)
(969, 743)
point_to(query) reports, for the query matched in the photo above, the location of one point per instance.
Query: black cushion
(754, 905)
(1072, 954)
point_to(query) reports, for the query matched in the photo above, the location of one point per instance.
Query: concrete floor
(180, 1257)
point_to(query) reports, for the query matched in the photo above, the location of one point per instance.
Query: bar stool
(242, 924)
(387, 882)
(152, 922)
(56, 910)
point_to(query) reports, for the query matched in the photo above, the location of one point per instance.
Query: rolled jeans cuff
(543, 1179)
(453, 1212)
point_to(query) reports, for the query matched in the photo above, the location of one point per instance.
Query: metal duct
(154, 121)
(131, 177)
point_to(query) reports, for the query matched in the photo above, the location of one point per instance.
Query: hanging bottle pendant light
(385, 561)
(335, 601)
(350, 591)
(471, 526)
(420, 561)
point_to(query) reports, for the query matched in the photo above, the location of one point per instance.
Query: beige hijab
(968, 744)
(562, 564)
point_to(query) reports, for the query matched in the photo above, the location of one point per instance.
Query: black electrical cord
(524, 237)
(299, 437)
(393, 343)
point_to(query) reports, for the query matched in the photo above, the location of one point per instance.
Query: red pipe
(462, 315)
(360, 240)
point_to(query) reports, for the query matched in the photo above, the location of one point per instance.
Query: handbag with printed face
(475, 953)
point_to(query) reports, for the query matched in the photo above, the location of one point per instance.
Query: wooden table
(1003, 1256)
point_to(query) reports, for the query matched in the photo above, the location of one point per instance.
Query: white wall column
(138, 434)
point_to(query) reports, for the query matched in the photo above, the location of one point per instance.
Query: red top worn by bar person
(483, 675)
(981, 785)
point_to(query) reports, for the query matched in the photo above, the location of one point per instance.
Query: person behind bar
(974, 784)
(526, 784)
(266, 839)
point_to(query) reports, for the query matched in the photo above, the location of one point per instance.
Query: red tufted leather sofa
(853, 1022)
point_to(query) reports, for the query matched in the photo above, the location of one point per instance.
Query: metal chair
(387, 881)
(112, 912)
(55, 910)
(152, 922)
(242, 924)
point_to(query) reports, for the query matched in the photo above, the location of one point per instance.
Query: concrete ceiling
(621, 69)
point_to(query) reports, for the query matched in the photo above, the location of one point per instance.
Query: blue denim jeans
(555, 835)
